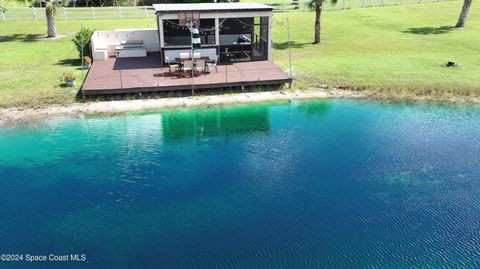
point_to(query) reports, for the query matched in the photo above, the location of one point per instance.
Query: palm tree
(2, 7)
(317, 5)
(464, 13)
(50, 12)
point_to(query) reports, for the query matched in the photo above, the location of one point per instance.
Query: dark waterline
(314, 184)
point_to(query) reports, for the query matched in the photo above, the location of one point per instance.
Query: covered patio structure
(235, 51)
(233, 32)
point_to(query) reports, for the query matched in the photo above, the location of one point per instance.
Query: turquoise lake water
(313, 184)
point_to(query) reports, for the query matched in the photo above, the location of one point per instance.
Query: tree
(463, 15)
(2, 7)
(317, 6)
(50, 12)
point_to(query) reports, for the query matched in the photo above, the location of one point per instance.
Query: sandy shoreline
(16, 115)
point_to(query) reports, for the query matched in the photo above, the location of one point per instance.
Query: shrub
(82, 41)
(67, 77)
(87, 59)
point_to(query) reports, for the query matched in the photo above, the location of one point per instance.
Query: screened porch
(228, 32)
(239, 40)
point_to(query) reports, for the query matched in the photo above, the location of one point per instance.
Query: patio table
(206, 58)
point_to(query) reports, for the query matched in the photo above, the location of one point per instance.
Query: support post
(34, 13)
(160, 33)
(344, 4)
(119, 12)
(289, 50)
(217, 32)
(145, 11)
(81, 27)
(3, 16)
(226, 65)
(161, 40)
(283, 5)
(269, 38)
(191, 57)
(64, 11)
(93, 13)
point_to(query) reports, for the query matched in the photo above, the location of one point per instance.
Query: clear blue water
(314, 184)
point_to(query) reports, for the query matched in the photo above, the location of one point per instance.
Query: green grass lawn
(400, 48)
(31, 67)
(16, 3)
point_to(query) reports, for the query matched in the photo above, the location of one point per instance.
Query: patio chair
(200, 64)
(175, 67)
(187, 67)
(212, 64)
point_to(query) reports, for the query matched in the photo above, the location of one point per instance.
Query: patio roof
(242, 6)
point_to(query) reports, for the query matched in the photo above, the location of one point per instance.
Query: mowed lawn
(399, 47)
(31, 66)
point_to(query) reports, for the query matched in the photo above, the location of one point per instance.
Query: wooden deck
(130, 75)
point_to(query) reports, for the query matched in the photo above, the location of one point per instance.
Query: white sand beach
(18, 115)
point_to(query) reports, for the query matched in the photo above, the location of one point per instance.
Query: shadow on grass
(429, 30)
(79, 96)
(293, 45)
(70, 62)
(21, 38)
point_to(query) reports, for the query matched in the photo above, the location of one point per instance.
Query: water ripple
(317, 184)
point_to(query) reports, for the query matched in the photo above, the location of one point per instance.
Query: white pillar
(160, 37)
(217, 32)
(160, 32)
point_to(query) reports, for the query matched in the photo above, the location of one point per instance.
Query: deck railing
(147, 12)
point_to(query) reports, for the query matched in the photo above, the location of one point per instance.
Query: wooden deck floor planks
(127, 75)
